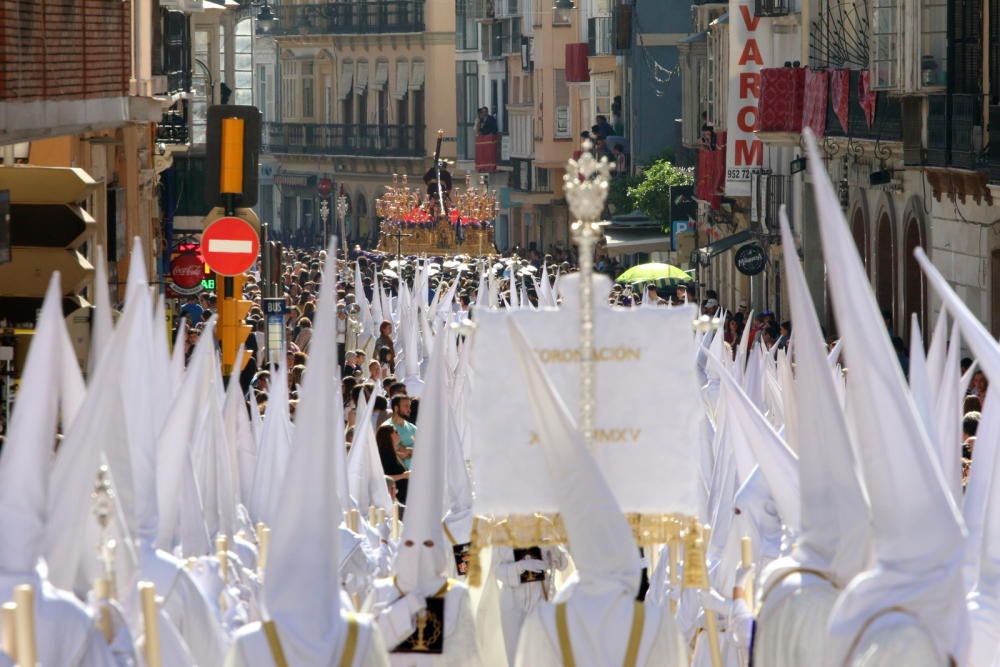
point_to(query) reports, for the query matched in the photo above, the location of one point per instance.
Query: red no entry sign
(230, 246)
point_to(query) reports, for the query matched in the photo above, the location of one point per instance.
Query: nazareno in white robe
(189, 612)
(599, 628)
(397, 622)
(518, 599)
(791, 626)
(893, 640)
(251, 649)
(65, 632)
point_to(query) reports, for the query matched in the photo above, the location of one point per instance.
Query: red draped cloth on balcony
(781, 96)
(840, 92)
(867, 96)
(487, 152)
(711, 173)
(814, 106)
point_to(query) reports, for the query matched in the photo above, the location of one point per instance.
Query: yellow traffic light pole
(233, 309)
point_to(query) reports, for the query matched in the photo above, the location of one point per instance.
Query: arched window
(914, 281)
(885, 264)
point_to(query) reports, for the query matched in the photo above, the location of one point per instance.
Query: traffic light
(232, 152)
(232, 329)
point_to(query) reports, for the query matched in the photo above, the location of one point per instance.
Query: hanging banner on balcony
(749, 52)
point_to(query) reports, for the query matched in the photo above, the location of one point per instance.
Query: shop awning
(627, 242)
(727, 243)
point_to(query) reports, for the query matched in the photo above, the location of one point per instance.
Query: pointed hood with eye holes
(919, 571)
(52, 390)
(422, 561)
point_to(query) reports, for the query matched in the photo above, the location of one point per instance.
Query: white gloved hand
(531, 565)
(744, 579)
(713, 601)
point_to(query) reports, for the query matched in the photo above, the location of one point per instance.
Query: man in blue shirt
(407, 431)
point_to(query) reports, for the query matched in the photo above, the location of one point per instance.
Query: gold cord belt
(278, 653)
(634, 638)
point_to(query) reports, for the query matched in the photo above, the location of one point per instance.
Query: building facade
(352, 93)
(900, 94)
(84, 85)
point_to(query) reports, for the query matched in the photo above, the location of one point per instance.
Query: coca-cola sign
(186, 273)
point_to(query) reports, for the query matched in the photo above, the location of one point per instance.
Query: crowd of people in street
(430, 467)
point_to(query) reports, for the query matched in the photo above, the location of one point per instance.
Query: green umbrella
(660, 274)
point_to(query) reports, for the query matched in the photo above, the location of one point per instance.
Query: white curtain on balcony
(361, 81)
(402, 79)
(346, 79)
(381, 77)
(417, 80)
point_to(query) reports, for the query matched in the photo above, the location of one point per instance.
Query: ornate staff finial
(586, 187)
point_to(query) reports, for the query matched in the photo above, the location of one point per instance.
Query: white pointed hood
(834, 513)
(177, 358)
(185, 428)
(365, 476)
(102, 326)
(275, 448)
(777, 462)
(51, 390)
(982, 490)
(369, 327)
(937, 351)
(919, 378)
(239, 435)
(422, 561)
(919, 571)
(948, 414)
(301, 591)
(601, 542)
(138, 399)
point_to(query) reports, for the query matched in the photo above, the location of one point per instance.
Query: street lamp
(324, 215)
(342, 212)
(266, 20)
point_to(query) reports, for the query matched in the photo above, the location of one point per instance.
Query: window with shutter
(561, 122)
(933, 43)
(994, 43)
(966, 46)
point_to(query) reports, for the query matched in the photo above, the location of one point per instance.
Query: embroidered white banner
(646, 421)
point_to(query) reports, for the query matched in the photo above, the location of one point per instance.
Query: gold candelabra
(477, 204)
(399, 201)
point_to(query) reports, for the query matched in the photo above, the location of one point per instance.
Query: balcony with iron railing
(350, 139)
(768, 193)
(600, 36)
(956, 139)
(353, 17)
(771, 8)
(173, 128)
(993, 155)
(887, 126)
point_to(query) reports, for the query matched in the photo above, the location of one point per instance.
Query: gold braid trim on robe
(278, 653)
(634, 637)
